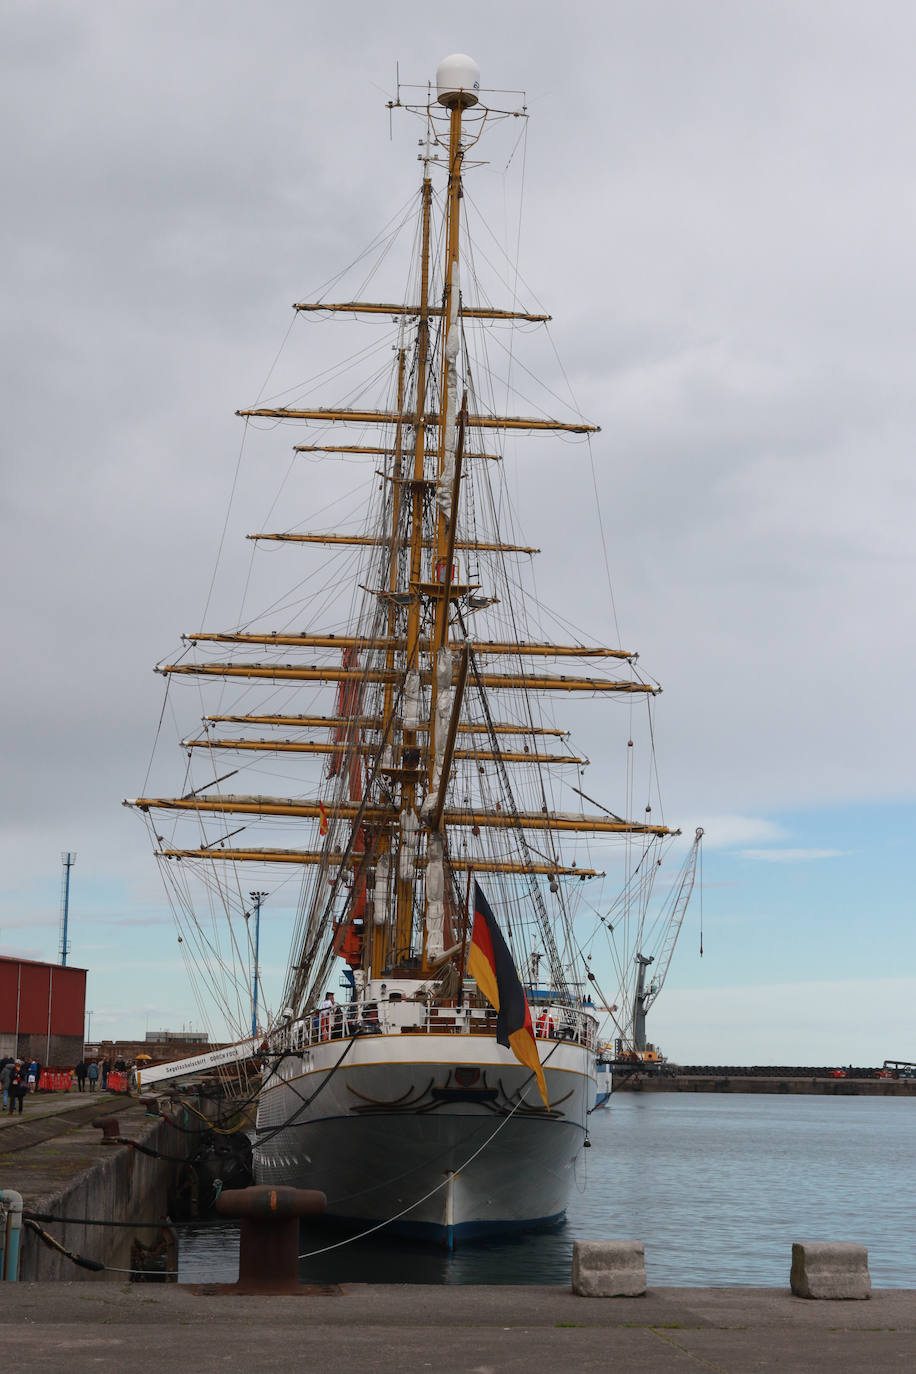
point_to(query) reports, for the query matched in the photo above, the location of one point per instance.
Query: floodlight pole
(68, 859)
(257, 898)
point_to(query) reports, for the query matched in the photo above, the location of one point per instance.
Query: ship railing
(398, 1016)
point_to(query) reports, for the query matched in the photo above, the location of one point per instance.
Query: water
(716, 1187)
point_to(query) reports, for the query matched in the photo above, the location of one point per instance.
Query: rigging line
(523, 134)
(445, 1182)
(165, 700)
(520, 837)
(307, 1102)
(222, 538)
(334, 371)
(701, 858)
(603, 533)
(354, 830)
(398, 220)
(521, 396)
(270, 370)
(518, 244)
(539, 772)
(654, 764)
(255, 545)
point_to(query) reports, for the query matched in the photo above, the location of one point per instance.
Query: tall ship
(431, 1062)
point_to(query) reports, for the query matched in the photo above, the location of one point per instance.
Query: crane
(643, 997)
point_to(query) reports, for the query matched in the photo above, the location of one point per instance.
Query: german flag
(491, 966)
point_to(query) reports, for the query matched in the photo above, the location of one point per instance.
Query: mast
(412, 685)
(404, 885)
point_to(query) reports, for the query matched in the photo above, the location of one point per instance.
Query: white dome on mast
(457, 81)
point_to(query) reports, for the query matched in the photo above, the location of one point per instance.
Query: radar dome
(457, 81)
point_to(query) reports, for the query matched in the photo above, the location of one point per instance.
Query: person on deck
(545, 1025)
(92, 1073)
(325, 1015)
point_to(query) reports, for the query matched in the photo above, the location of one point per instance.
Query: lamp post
(88, 1027)
(257, 898)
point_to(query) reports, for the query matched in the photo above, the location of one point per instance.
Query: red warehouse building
(42, 1011)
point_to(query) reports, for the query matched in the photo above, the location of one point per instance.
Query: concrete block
(609, 1269)
(829, 1269)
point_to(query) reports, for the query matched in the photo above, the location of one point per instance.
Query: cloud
(23, 952)
(790, 856)
(862, 1022)
(728, 832)
(731, 301)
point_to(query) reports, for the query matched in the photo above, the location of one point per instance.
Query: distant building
(42, 1011)
(159, 1047)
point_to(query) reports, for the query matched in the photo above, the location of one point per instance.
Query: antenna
(68, 859)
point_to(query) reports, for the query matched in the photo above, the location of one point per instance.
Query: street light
(257, 898)
(88, 1026)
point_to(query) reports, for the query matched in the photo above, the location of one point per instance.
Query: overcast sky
(719, 213)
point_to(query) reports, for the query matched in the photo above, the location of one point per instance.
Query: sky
(719, 205)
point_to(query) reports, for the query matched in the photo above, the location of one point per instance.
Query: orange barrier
(117, 1082)
(55, 1081)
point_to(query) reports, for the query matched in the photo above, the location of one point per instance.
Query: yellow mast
(468, 817)
(534, 682)
(374, 949)
(404, 887)
(417, 602)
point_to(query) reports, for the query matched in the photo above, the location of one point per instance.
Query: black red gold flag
(492, 967)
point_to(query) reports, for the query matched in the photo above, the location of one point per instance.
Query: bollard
(10, 1234)
(269, 1234)
(609, 1269)
(110, 1128)
(824, 1269)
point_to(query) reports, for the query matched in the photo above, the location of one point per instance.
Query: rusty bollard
(269, 1234)
(110, 1127)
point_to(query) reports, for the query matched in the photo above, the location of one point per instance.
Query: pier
(61, 1155)
(388, 1329)
(761, 1079)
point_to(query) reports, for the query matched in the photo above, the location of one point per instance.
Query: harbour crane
(639, 1050)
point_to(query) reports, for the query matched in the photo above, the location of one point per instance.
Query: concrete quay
(389, 1329)
(55, 1157)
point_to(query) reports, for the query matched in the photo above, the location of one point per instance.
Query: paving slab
(451, 1329)
(42, 1153)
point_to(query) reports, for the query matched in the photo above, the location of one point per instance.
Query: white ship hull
(441, 1136)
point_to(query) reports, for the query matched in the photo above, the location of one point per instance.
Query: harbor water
(717, 1187)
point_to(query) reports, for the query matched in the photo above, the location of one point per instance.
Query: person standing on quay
(6, 1078)
(92, 1073)
(105, 1068)
(80, 1072)
(19, 1086)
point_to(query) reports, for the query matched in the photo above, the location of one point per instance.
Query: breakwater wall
(764, 1079)
(77, 1176)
